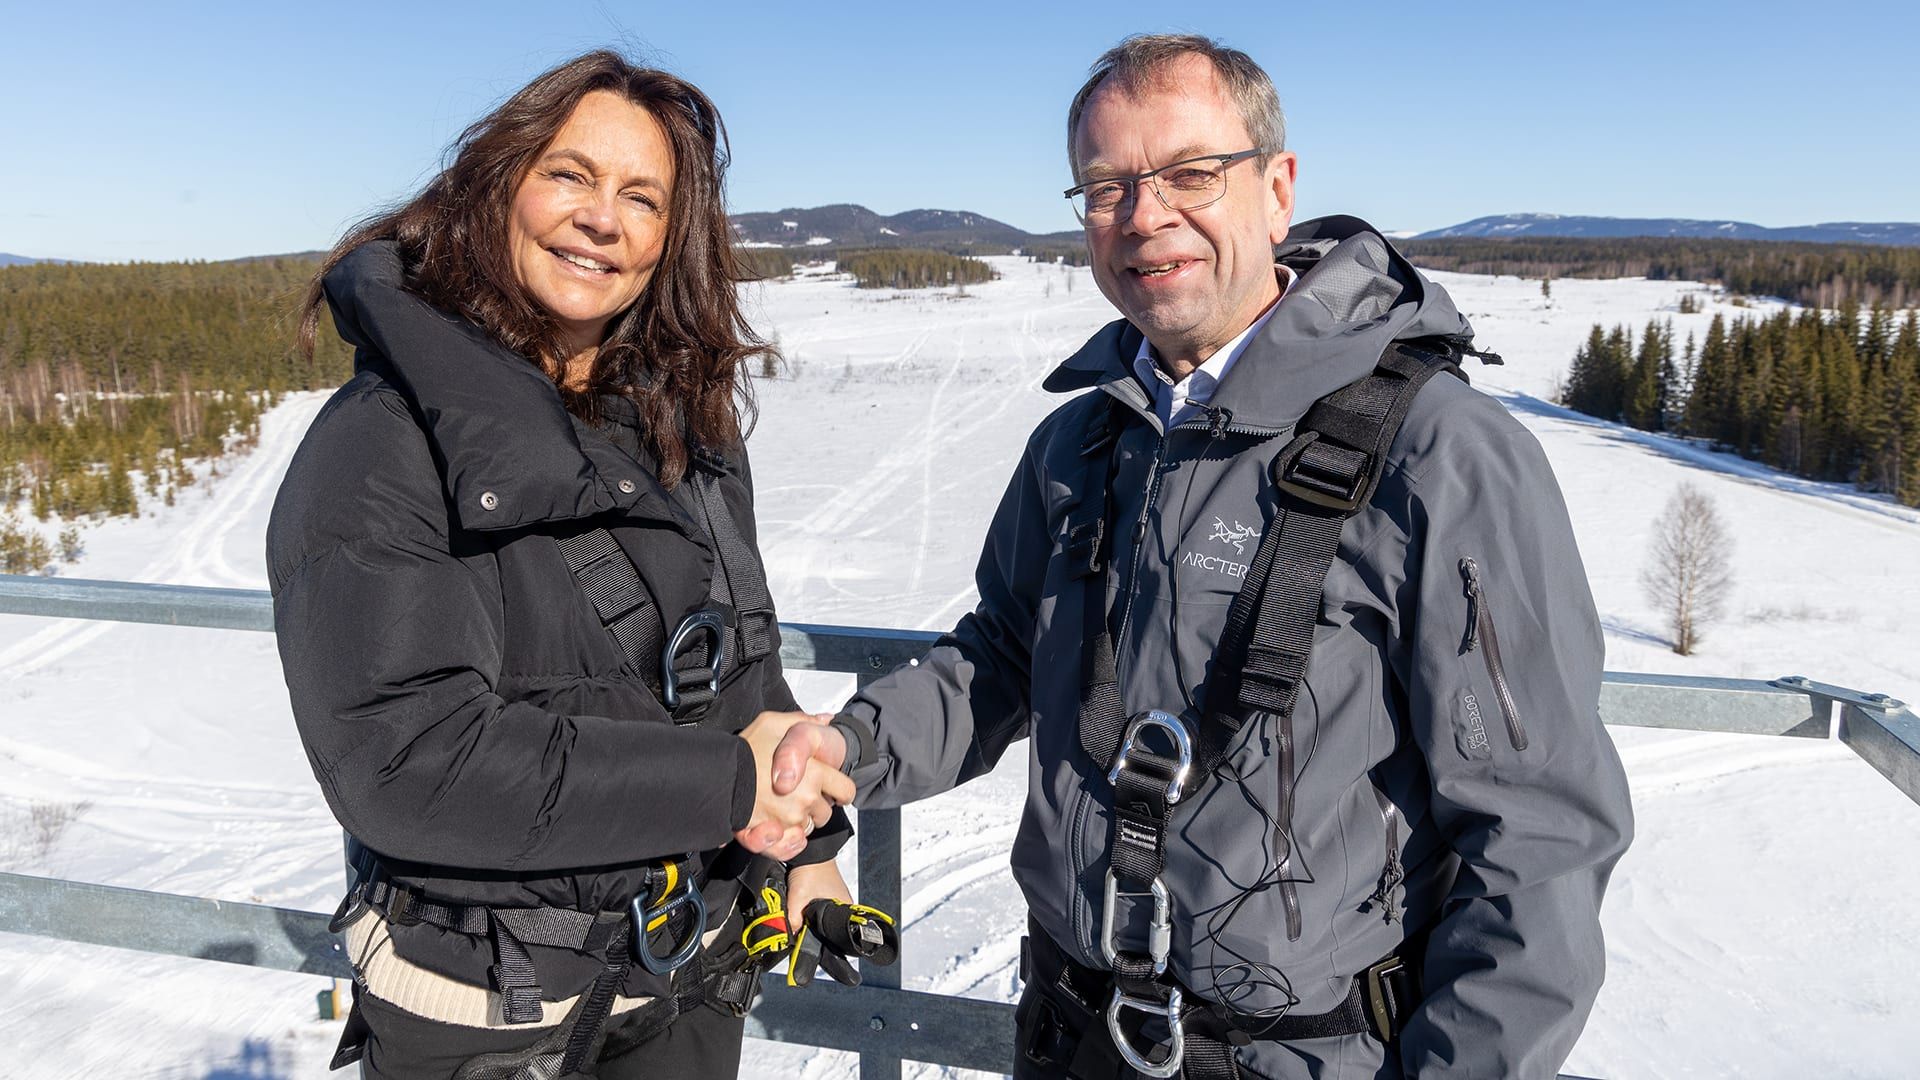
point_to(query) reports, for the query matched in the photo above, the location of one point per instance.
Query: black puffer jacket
(467, 714)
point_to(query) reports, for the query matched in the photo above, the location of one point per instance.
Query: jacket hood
(506, 446)
(1356, 296)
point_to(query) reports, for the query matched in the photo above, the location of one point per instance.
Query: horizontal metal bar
(803, 646)
(1887, 740)
(155, 922)
(1692, 703)
(128, 601)
(860, 650)
(953, 1031)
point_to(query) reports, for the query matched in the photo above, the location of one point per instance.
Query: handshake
(797, 783)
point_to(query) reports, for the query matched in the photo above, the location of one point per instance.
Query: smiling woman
(527, 635)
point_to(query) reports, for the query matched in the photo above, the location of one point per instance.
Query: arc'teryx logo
(1234, 536)
(1238, 535)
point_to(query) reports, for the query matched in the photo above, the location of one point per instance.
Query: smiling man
(1295, 625)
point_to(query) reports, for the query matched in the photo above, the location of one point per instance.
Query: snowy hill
(847, 225)
(1754, 929)
(1898, 234)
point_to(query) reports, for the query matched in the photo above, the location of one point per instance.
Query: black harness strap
(740, 582)
(599, 1003)
(611, 583)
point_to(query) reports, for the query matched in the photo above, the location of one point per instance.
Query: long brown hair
(680, 351)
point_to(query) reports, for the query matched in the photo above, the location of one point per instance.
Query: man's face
(1189, 280)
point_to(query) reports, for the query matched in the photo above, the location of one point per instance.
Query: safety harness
(1328, 471)
(662, 928)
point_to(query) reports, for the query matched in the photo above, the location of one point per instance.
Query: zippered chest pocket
(1482, 636)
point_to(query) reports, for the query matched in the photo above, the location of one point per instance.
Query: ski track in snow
(1742, 929)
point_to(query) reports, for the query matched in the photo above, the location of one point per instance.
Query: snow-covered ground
(1756, 928)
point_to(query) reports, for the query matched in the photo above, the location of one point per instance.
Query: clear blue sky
(157, 131)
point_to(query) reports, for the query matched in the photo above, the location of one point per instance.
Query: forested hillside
(1817, 275)
(112, 377)
(1832, 397)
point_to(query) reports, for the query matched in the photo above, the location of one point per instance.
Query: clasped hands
(797, 780)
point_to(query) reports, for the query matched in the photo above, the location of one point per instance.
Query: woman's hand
(780, 823)
(820, 881)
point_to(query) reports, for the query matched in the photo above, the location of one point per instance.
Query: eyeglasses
(1183, 185)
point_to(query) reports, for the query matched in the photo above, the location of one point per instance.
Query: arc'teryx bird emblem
(1238, 535)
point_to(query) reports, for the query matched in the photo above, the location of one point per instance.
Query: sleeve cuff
(859, 738)
(745, 776)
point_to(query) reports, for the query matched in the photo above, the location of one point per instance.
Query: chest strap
(1326, 474)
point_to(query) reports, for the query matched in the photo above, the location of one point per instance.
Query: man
(1390, 866)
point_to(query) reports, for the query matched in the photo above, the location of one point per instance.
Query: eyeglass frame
(1226, 161)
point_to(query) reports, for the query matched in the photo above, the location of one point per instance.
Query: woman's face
(590, 218)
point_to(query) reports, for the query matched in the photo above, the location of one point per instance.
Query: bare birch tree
(1687, 574)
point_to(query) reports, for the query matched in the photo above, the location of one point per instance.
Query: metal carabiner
(681, 891)
(1182, 745)
(1176, 1047)
(1159, 935)
(706, 619)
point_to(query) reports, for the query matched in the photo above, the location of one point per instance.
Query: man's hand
(804, 743)
(820, 881)
(781, 821)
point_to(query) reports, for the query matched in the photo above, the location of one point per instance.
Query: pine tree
(1643, 393)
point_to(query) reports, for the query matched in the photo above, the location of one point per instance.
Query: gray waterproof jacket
(1447, 770)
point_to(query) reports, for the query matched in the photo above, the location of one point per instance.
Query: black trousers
(702, 1043)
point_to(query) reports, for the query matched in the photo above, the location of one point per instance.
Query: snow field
(1754, 928)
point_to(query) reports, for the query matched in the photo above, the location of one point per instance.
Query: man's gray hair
(1139, 63)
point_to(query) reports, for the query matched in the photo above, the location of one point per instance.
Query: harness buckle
(1383, 1005)
(681, 891)
(1159, 934)
(1182, 745)
(711, 622)
(1344, 493)
(1170, 1011)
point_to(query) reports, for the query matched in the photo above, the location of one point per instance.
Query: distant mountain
(1890, 234)
(23, 260)
(847, 225)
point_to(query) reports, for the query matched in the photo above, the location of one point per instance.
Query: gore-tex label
(1473, 739)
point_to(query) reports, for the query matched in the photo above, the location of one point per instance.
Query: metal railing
(881, 1022)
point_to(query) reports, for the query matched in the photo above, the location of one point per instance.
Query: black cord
(1234, 982)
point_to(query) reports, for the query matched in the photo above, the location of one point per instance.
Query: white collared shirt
(1177, 401)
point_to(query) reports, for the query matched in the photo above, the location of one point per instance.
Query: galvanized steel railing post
(878, 834)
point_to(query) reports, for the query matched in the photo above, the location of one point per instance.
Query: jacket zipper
(1480, 635)
(1283, 827)
(1391, 873)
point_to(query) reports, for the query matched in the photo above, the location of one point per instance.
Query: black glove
(831, 932)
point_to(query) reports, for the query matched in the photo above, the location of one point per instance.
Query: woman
(524, 625)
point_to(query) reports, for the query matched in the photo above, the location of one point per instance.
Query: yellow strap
(793, 960)
(861, 913)
(673, 878)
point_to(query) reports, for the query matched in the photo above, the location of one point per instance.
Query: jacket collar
(1355, 297)
(505, 445)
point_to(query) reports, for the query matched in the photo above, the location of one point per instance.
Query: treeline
(1831, 397)
(1072, 253)
(766, 264)
(908, 268)
(1816, 275)
(113, 377)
